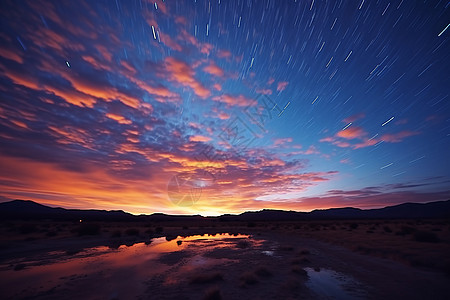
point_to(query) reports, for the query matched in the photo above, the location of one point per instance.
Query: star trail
(291, 105)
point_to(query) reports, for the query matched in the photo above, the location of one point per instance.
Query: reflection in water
(112, 272)
(329, 284)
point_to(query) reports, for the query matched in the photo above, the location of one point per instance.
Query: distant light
(81, 221)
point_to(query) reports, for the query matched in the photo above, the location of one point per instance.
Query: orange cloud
(182, 73)
(213, 69)
(120, 119)
(199, 138)
(352, 132)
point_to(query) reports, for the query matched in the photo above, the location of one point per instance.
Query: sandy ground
(268, 264)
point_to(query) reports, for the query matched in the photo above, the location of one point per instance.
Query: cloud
(311, 150)
(120, 119)
(217, 86)
(264, 91)
(169, 42)
(182, 73)
(282, 86)
(343, 137)
(352, 132)
(11, 55)
(238, 100)
(398, 137)
(199, 138)
(223, 54)
(282, 141)
(213, 69)
(354, 118)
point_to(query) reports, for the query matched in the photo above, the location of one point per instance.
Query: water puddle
(329, 284)
(117, 272)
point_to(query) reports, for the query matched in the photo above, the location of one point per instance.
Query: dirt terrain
(322, 260)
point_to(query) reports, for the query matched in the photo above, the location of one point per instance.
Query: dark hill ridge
(21, 209)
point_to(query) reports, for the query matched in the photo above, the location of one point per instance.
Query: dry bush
(207, 278)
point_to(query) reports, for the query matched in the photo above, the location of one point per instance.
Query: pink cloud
(311, 150)
(270, 81)
(352, 133)
(264, 91)
(213, 69)
(239, 100)
(398, 137)
(223, 54)
(180, 20)
(353, 118)
(282, 141)
(282, 86)
(224, 116)
(169, 42)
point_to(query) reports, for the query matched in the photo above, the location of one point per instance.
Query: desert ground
(343, 259)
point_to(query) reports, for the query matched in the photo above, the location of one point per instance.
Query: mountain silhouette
(26, 209)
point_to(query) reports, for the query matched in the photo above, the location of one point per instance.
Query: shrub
(88, 229)
(426, 237)
(354, 225)
(213, 294)
(242, 244)
(159, 229)
(207, 278)
(248, 278)
(116, 233)
(27, 228)
(132, 232)
(299, 271)
(263, 272)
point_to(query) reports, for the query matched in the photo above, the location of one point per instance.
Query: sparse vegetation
(88, 229)
(426, 237)
(248, 278)
(132, 232)
(207, 278)
(213, 294)
(242, 244)
(299, 271)
(263, 272)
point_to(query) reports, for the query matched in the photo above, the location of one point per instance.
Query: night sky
(246, 105)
